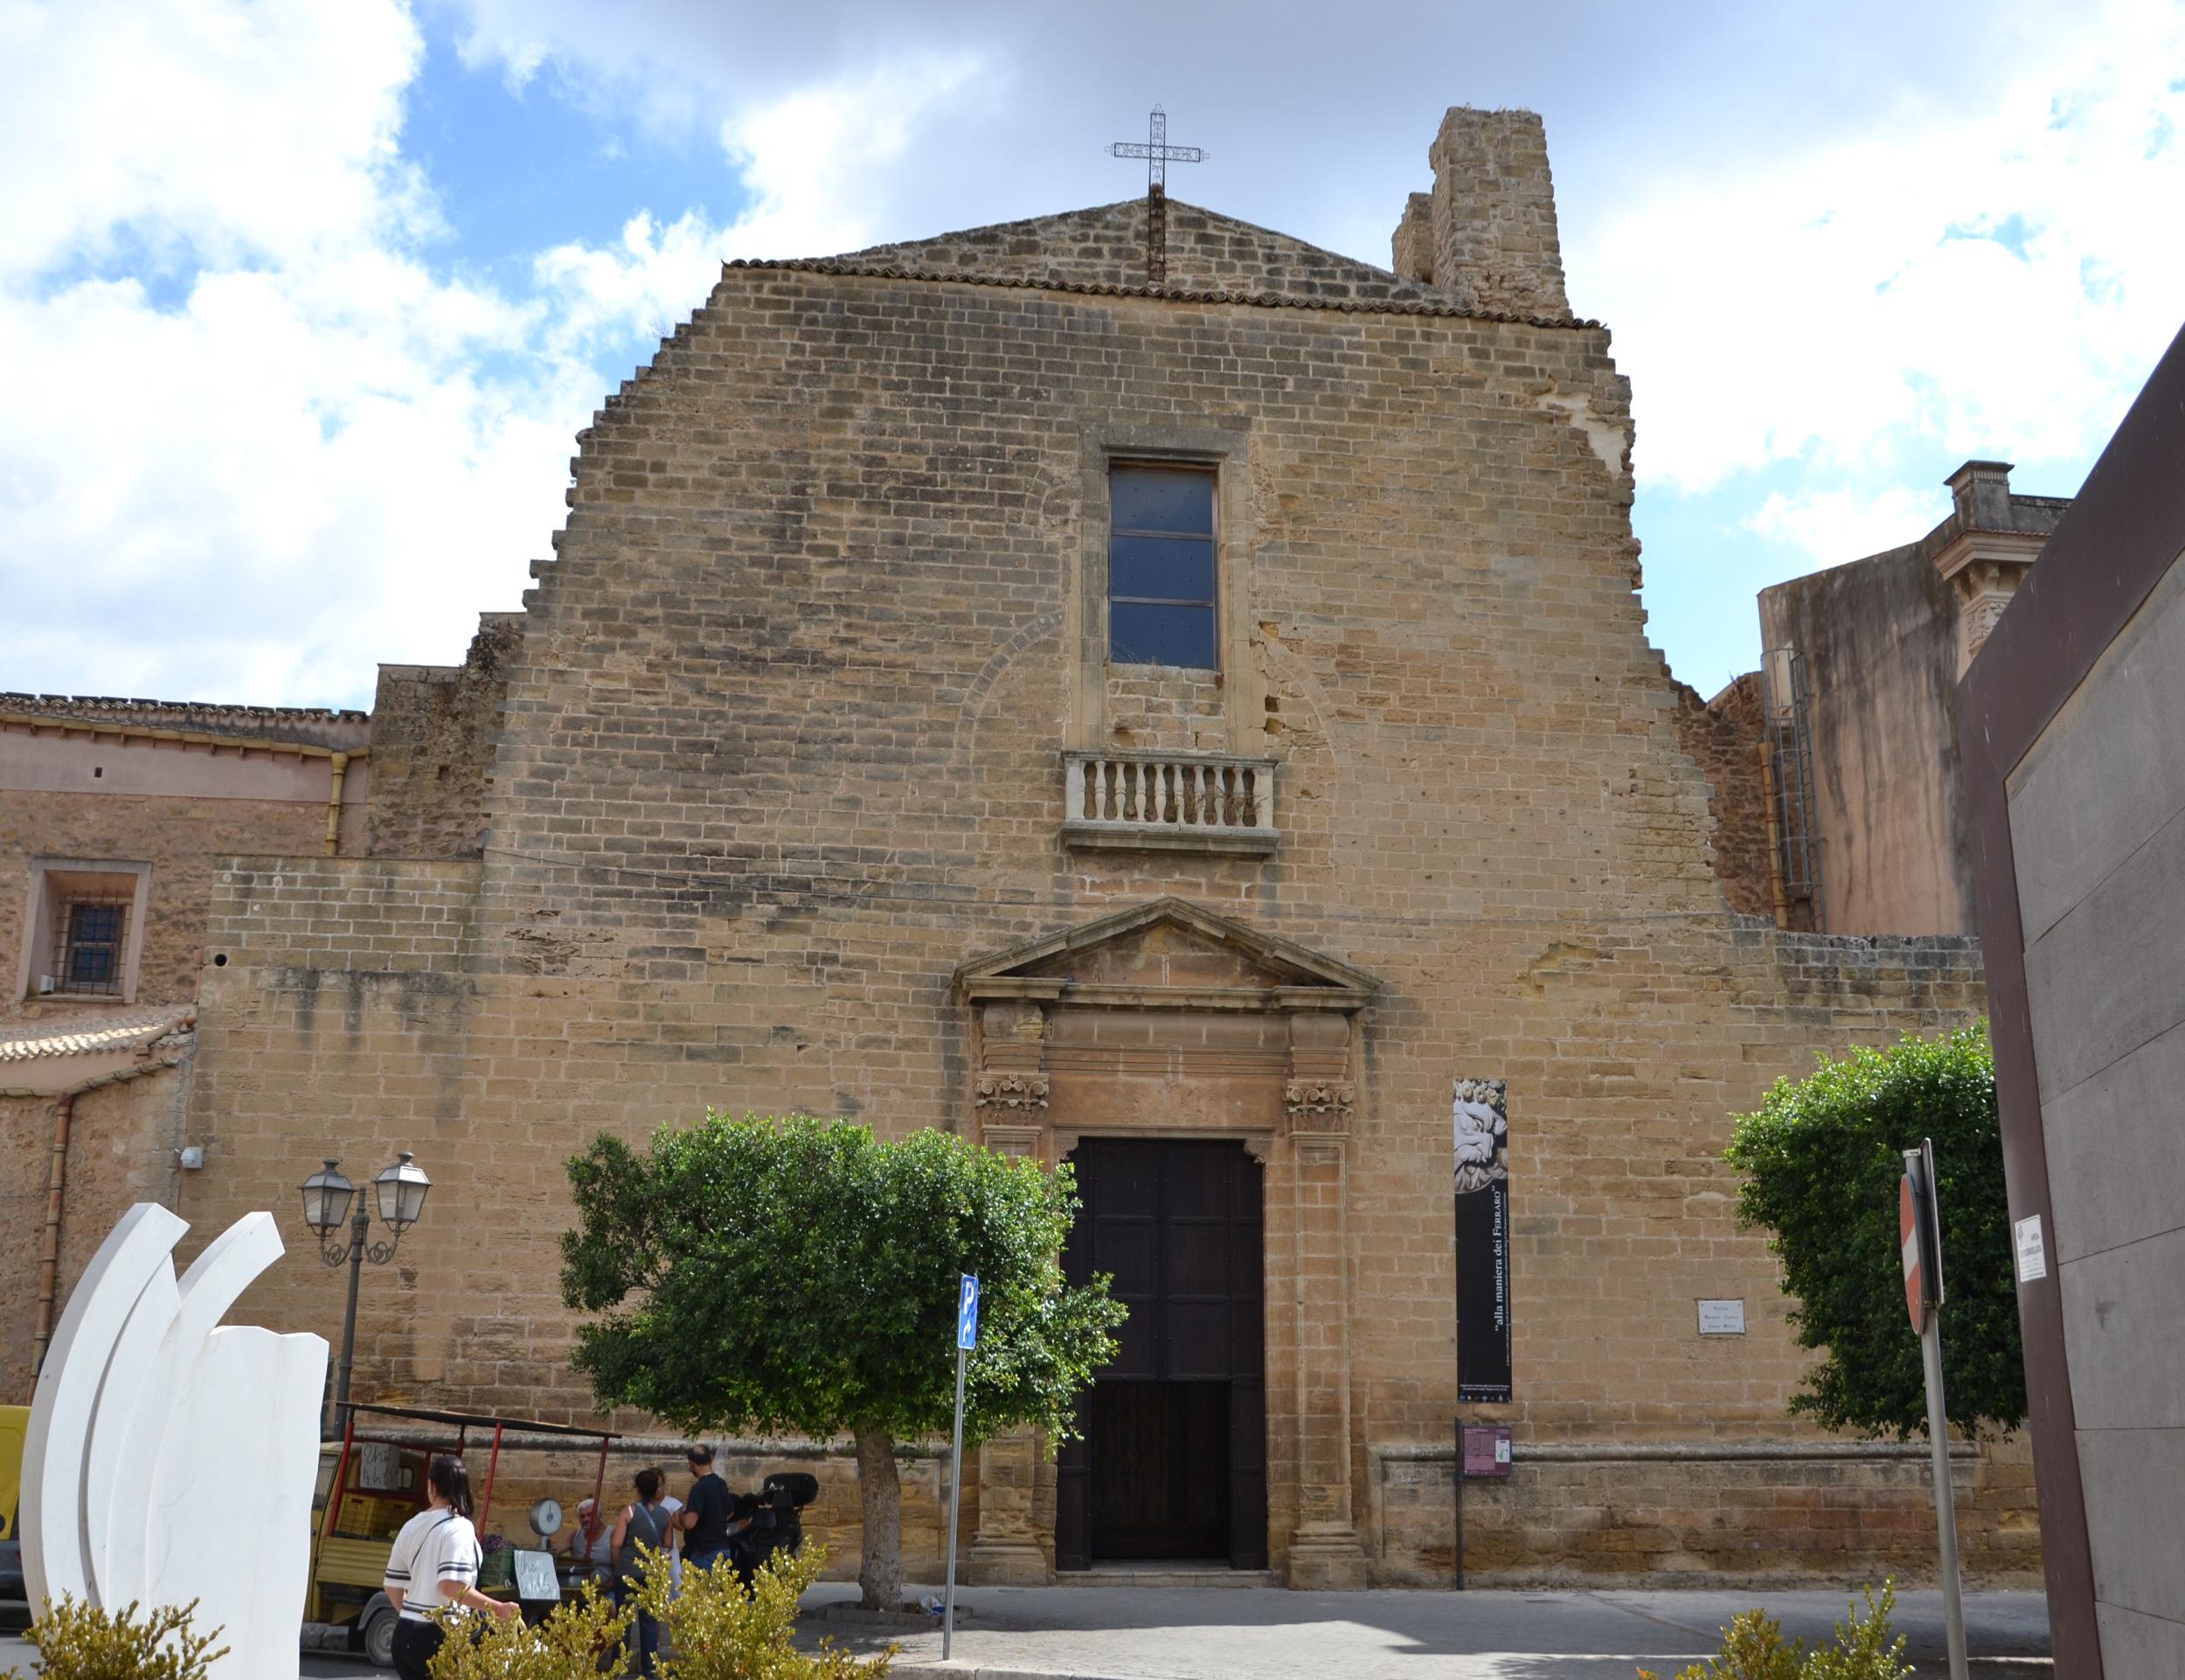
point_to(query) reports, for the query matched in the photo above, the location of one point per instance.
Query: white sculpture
(172, 1458)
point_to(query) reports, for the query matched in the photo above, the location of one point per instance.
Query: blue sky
(305, 301)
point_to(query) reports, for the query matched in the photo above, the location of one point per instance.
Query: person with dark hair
(641, 1525)
(705, 1517)
(434, 1563)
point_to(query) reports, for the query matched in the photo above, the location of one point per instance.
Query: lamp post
(401, 1192)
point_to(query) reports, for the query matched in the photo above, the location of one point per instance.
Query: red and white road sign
(1908, 1235)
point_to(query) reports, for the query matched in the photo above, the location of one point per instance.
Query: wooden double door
(1172, 1462)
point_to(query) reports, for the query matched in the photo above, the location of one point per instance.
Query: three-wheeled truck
(373, 1481)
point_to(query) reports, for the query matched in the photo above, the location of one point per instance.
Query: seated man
(592, 1542)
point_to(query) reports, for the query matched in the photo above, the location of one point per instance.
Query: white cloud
(820, 163)
(1833, 526)
(1867, 294)
(267, 456)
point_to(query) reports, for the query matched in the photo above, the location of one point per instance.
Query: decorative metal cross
(1158, 154)
(1157, 150)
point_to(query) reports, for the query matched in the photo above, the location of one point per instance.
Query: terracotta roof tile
(82, 1035)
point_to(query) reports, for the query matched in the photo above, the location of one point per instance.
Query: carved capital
(1011, 1091)
(1319, 1106)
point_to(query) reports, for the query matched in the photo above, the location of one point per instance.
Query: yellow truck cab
(373, 1481)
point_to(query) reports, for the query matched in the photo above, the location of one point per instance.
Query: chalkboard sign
(535, 1578)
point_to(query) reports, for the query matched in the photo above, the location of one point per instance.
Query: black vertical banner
(1480, 1114)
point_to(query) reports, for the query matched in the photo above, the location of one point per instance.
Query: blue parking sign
(967, 1314)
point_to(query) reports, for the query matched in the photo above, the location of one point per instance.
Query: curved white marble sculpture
(171, 1458)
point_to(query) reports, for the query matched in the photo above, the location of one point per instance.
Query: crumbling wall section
(1723, 736)
(431, 740)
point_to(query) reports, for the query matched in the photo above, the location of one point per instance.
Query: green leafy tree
(1820, 1161)
(799, 1274)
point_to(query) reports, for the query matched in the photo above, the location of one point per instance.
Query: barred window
(1160, 566)
(92, 939)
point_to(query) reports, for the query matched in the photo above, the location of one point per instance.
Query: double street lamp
(401, 1192)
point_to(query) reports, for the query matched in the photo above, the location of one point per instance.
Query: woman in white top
(435, 1562)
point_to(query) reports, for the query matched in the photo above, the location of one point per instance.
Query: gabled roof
(1105, 244)
(1302, 976)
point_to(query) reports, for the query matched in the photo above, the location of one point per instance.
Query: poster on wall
(1480, 1112)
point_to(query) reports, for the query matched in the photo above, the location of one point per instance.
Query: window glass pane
(1164, 568)
(1153, 499)
(1142, 634)
(97, 921)
(90, 965)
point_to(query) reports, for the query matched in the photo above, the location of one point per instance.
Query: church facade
(1136, 689)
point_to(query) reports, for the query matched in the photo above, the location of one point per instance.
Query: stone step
(1168, 1575)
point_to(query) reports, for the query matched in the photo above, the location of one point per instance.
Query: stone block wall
(1767, 1513)
(1495, 246)
(782, 753)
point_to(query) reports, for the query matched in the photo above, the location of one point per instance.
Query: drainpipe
(49, 1253)
(339, 761)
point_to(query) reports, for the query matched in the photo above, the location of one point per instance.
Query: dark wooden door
(1172, 1463)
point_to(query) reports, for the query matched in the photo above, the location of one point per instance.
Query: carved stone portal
(1168, 1019)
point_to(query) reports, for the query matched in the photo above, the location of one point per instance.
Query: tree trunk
(880, 1570)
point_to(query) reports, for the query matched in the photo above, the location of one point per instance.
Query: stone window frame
(1224, 450)
(54, 884)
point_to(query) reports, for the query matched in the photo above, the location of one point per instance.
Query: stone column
(1009, 1102)
(1324, 1550)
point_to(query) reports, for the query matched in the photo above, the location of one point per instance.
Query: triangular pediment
(1105, 246)
(1167, 948)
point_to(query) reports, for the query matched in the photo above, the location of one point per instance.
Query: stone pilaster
(1009, 1098)
(1318, 1100)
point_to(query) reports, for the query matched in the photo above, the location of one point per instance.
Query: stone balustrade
(1186, 801)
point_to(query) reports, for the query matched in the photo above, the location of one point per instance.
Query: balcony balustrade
(1178, 801)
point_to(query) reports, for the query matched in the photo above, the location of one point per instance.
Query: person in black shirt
(704, 1516)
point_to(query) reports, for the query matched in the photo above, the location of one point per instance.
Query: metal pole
(1945, 1504)
(359, 1232)
(956, 1492)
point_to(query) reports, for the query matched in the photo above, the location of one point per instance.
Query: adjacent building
(1839, 800)
(2071, 725)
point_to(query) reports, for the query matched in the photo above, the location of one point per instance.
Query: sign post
(966, 1339)
(1920, 1235)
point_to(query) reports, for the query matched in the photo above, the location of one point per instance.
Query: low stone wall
(1694, 1514)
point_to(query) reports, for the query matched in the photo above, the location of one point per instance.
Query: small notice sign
(535, 1580)
(1722, 1318)
(1485, 1450)
(2033, 1255)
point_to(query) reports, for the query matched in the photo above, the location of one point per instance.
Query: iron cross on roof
(1158, 154)
(1157, 150)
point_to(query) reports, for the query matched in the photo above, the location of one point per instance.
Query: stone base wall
(1701, 1515)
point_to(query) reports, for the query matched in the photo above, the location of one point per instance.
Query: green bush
(1754, 1648)
(577, 1638)
(1820, 1161)
(80, 1642)
(718, 1630)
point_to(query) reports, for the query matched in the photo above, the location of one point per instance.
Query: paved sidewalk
(1144, 1632)
(1197, 1633)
